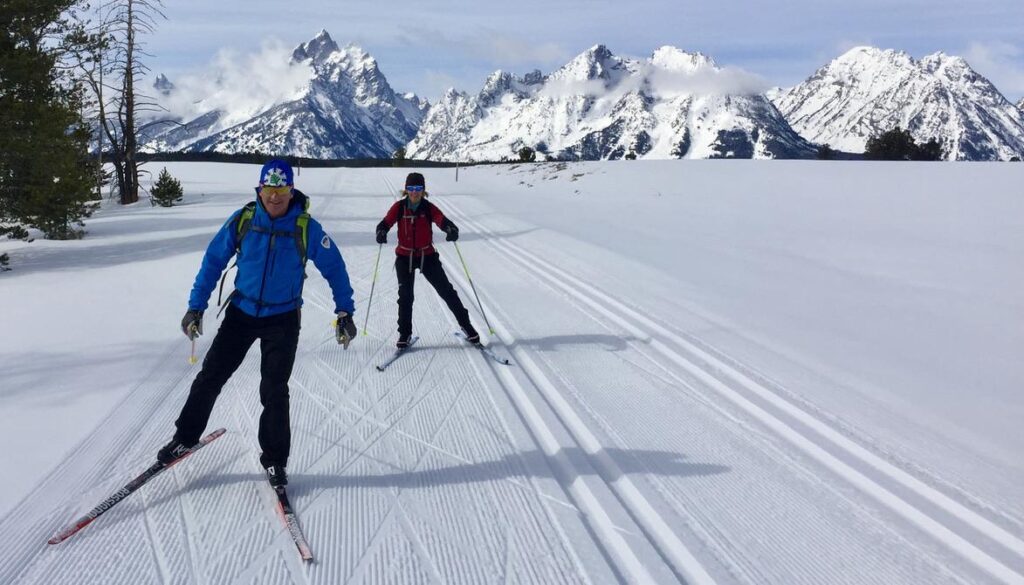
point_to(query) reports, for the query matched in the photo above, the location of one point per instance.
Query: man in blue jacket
(272, 237)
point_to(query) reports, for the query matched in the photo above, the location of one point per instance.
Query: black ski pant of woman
(430, 266)
(279, 338)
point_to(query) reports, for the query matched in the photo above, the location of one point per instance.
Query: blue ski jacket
(270, 269)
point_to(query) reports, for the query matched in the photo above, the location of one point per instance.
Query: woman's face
(415, 194)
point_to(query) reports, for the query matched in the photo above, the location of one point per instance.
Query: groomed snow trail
(618, 447)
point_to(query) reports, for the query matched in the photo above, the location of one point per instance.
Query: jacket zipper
(266, 264)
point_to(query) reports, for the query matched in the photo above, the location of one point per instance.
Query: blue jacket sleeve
(217, 256)
(327, 258)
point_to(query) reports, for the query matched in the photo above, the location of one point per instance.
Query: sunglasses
(414, 188)
(278, 191)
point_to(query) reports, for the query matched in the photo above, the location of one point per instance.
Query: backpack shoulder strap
(244, 222)
(302, 239)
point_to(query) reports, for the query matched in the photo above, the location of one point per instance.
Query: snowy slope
(725, 372)
(602, 106)
(347, 110)
(867, 91)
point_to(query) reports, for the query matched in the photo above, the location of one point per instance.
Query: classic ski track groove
(703, 366)
(619, 551)
(661, 537)
(365, 412)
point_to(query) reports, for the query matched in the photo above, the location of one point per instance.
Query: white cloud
(1002, 63)
(705, 81)
(665, 83)
(243, 85)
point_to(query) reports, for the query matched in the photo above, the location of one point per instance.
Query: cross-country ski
(291, 522)
(486, 350)
(398, 353)
(129, 488)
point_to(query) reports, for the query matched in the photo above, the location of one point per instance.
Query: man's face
(276, 199)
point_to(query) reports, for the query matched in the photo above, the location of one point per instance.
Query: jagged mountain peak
(163, 85)
(866, 53)
(597, 62)
(676, 59)
(867, 91)
(601, 106)
(318, 48)
(1020, 104)
(347, 109)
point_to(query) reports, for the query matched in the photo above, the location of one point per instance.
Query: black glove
(192, 323)
(451, 229)
(382, 233)
(345, 329)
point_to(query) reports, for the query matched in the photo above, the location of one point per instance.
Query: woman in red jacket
(415, 249)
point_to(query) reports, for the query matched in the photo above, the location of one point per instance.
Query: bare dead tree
(111, 58)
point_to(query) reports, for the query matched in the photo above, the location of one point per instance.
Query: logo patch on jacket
(326, 242)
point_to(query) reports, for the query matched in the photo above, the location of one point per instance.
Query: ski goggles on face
(269, 191)
(414, 188)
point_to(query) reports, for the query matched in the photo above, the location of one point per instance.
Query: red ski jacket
(415, 236)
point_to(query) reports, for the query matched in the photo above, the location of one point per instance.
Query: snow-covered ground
(724, 371)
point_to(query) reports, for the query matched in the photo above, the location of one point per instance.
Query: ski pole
(193, 333)
(472, 286)
(372, 286)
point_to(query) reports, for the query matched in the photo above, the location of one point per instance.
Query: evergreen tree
(45, 171)
(167, 190)
(399, 157)
(930, 150)
(825, 152)
(898, 144)
(527, 154)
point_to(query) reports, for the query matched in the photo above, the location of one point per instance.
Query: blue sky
(427, 46)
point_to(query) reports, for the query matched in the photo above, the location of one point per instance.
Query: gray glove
(192, 323)
(345, 329)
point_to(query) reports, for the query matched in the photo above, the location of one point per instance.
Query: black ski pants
(430, 266)
(279, 338)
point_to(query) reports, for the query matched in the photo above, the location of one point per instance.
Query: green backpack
(242, 227)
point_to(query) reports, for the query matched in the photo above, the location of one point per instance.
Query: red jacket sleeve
(436, 216)
(392, 215)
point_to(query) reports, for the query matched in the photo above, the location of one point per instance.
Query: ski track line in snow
(661, 537)
(365, 415)
(620, 312)
(623, 558)
(150, 394)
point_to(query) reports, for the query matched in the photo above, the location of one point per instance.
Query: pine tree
(527, 154)
(898, 144)
(167, 190)
(45, 171)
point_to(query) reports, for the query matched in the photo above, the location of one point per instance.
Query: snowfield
(723, 372)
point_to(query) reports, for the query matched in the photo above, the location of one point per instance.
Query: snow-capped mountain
(163, 85)
(601, 106)
(867, 91)
(347, 110)
(1020, 104)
